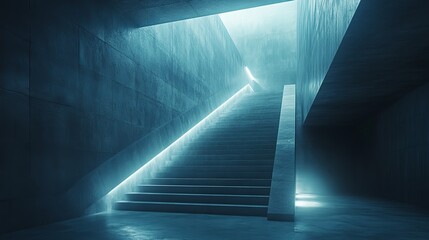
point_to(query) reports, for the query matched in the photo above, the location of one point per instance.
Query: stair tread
(215, 178)
(198, 194)
(199, 186)
(229, 154)
(194, 204)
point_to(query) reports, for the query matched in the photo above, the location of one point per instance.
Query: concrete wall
(328, 158)
(150, 12)
(333, 160)
(400, 143)
(384, 153)
(321, 26)
(78, 84)
(266, 39)
(281, 205)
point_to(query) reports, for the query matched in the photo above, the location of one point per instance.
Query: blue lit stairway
(226, 170)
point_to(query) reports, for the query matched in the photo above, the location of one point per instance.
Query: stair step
(224, 156)
(225, 169)
(205, 189)
(254, 175)
(256, 105)
(219, 168)
(261, 115)
(201, 208)
(225, 163)
(221, 151)
(232, 142)
(254, 127)
(236, 145)
(233, 131)
(199, 198)
(234, 138)
(244, 123)
(226, 138)
(209, 181)
(240, 117)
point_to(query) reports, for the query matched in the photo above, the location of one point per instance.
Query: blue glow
(156, 163)
(307, 204)
(249, 73)
(306, 196)
(307, 201)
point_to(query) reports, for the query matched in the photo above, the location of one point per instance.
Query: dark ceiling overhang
(384, 55)
(151, 12)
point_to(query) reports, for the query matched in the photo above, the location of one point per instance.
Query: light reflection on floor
(334, 218)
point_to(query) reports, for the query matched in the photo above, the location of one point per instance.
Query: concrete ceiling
(151, 12)
(384, 55)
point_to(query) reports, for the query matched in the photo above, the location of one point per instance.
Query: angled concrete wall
(78, 84)
(321, 26)
(150, 12)
(328, 159)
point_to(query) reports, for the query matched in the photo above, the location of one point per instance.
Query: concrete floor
(317, 218)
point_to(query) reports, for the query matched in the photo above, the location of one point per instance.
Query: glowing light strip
(307, 201)
(249, 73)
(194, 130)
(307, 204)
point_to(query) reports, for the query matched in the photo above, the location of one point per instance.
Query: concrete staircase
(225, 170)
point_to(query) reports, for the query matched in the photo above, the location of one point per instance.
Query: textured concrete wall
(328, 159)
(282, 194)
(401, 148)
(321, 26)
(78, 84)
(150, 12)
(266, 39)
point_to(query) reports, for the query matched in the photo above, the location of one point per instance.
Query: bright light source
(158, 161)
(300, 203)
(249, 73)
(305, 196)
(306, 200)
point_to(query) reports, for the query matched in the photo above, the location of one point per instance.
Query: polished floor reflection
(330, 218)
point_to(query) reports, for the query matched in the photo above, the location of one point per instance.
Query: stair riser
(195, 163)
(243, 133)
(189, 169)
(254, 115)
(254, 175)
(247, 157)
(235, 132)
(204, 190)
(236, 144)
(262, 106)
(216, 199)
(254, 127)
(230, 151)
(236, 137)
(209, 182)
(233, 142)
(243, 123)
(263, 123)
(222, 210)
(239, 119)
